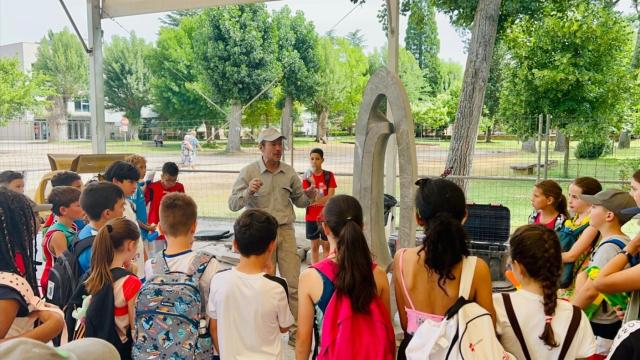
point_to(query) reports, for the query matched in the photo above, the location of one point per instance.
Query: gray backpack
(170, 313)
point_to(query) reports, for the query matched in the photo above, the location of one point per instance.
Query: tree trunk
(286, 121)
(561, 141)
(529, 145)
(635, 61)
(565, 166)
(57, 120)
(321, 135)
(487, 134)
(234, 118)
(209, 136)
(133, 131)
(624, 142)
(476, 75)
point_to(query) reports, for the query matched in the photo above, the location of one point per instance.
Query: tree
(572, 64)
(408, 70)
(127, 83)
(61, 59)
(19, 92)
(342, 78)
(297, 44)
(175, 81)
(174, 18)
(236, 50)
(356, 38)
(422, 41)
(450, 75)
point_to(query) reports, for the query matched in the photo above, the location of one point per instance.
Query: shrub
(591, 149)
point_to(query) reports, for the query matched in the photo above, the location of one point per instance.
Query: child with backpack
(126, 176)
(325, 183)
(250, 329)
(111, 287)
(549, 205)
(20, 305)
(344, 299)
(65, 202)
(606, 216)
(171, 319)
(533, 323)
(428, 279)
(577, 238)
(101, 201)
(64, 178)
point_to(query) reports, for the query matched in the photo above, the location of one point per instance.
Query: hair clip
(547, 319)
(109, 228)
(447, 172)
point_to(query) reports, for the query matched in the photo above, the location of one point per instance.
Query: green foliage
(409, 71)
(174, 18)
(450, 75)
(235, 48)
(127, 76)
(572, 64)
(297, 44)
(590, 149)
(422, 41)
(342, 78)
(263, 112)
(19, 92)
(356, 38)
(63, 61)
(438, 112)
(175, 78)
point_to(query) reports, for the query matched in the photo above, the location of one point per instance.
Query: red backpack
(350, 335)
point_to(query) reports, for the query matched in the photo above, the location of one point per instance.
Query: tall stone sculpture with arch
(373, 129)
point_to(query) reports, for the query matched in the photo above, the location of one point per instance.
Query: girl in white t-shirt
(537, 327)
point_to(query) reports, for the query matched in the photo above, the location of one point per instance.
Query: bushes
(591, 148)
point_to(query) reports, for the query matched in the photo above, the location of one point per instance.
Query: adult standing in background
(274, 186)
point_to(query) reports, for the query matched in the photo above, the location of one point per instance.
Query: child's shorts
(314, 231)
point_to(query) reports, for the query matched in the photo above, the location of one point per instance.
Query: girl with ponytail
(549, 205)
(112, 277)
(427, 277)
(539, 318)
(357, 276)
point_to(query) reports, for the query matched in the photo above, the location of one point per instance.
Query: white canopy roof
(116, 8)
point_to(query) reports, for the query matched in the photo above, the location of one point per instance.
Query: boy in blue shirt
(101, 202)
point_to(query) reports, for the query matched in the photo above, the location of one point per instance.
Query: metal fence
(503, 172)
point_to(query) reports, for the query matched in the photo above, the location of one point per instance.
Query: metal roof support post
(96, 78)
(393, 41)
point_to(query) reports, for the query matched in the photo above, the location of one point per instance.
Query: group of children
(572, 265)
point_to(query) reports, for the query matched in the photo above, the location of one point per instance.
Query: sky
(29, 21)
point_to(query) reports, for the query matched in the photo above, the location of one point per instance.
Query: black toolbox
(488, 229)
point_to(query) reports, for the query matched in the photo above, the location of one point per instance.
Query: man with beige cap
(274, 186)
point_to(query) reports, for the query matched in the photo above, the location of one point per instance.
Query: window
(81, 105)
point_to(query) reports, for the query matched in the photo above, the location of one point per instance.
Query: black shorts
(314, 232)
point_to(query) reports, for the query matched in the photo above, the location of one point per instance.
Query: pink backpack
(350, 335)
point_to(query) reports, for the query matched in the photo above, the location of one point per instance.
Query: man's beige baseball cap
(270, 134)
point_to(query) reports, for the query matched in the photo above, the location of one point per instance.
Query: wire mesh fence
(505, 167)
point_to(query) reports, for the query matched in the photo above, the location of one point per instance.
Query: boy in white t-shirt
(178, 220)
(248, 307)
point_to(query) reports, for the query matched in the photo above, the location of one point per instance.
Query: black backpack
(65, 274)
(99, 321)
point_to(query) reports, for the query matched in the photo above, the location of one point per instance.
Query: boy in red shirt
(325, 183)
(154, 193)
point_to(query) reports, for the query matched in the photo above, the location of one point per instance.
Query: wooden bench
(82, 164)
(528, 168)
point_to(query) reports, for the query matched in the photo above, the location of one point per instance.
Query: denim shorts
(314, 232)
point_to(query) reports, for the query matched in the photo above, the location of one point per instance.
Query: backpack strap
(571, 332)
(118, 273)
(328, 268)
(159, 264)
(327, 178)
(513, 321)
(466, 276)
(199, 264)
(81, 245)
(404, 286)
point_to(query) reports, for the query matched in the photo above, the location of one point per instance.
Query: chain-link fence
(505, 167)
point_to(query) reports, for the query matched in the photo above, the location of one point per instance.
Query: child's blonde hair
(137, 160)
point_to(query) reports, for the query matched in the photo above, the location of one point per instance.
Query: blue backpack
(170, 313)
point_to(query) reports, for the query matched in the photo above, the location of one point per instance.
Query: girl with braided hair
(19, 307)
(533, 323)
